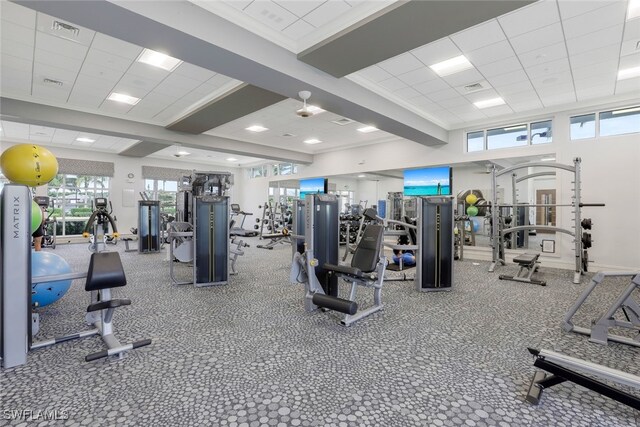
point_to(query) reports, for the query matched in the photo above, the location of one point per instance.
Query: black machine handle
(591, 205)
(105, 353)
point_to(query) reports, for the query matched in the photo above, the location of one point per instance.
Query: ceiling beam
(153, 137)
(238, 102)
(188, 32)
(400, 28)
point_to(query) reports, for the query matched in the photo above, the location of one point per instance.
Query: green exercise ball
(472, 211)
(36, 216)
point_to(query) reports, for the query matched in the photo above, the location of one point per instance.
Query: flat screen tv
(434, 181)
(313, 185)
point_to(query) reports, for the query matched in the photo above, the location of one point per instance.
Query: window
(620, 122)
(165, 191)
(511, 136)
(72, 197)
(541, 132)
(475, 141)
(258, 171)
(285, 169)
(583, 127)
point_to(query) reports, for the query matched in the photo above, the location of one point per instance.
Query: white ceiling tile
(491, 53)
(103, 73)
(595, 40)
(17, 33)
(431, 86)
(569, 9)
(628, 86)
(508, 78)
(437, 51)
(514, 88)
(86, 100)
(548, 68)
(608, 16)
(60, 46)
(153, 74)
(15, 130)
(81, 35)
(238, 4)
(464, 77)
(500, 110)
(114, 107)
(298, 29)
(108, 60)
(586, 82)
(407, 93)
(392, 84)
(555, 98)
(90, 84)
(443, 94)
(543, 82)
(270, 14)
(42, 71)
(116, 47)
(374, 73)
(471, 116)
(594, 56)
(420, 75)
(327, 12)
(609, 68)
(529, 18)
(450, 103)
(54, 93)
(18, 14)
(422, 102)
(194, 72)
(401, 64)
(134, 85)
(546, 36)
(14, 63)
(482, 95)
(218, 81)
(15, 82)
(20, 50)
(528, 105)
(500, 67)
(520, 97)
(479, 36)
(632, 30)
(185, 83)
(51, 58)
(298, 7)
(592, 92)
(543, 55)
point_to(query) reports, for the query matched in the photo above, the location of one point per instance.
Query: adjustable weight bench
(366, 269)
(276, 238)
(529, 264)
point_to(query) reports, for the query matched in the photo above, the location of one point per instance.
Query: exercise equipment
(99, 222)
(28, 164)
(565, 368)
(499, 231)
(529, 264)
(276, 216)
(48, 240)
(203, 240)
(36, 216)
(435, 240)
(317, 266)
(240, 230)
(47, 264)
(624, 306)
(148, 226)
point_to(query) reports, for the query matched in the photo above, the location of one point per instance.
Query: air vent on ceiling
(473, 87)
(52, 82)
(288, 134)
(343, 121)
(67, 29)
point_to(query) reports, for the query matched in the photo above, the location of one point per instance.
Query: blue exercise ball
(476, 224)
(407, 259)
(47, 264)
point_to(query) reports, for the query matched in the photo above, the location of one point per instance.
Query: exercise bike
(100, 219)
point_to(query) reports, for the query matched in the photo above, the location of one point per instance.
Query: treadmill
(240, 231)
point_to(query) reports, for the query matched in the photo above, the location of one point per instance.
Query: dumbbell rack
(274, 218)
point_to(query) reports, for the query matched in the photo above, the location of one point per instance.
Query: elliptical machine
(99, 220)
(48, 240)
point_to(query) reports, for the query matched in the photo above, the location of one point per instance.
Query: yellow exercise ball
(27, 164)
(471, 199)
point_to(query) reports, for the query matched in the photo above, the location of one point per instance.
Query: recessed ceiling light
(315, 110)
(367, 129)
(615, 112)
(160, 60)
(489, 103)
(629, 73)
(83, 139)
(634, 9)
(361, 176)
(121, 97)
(451, 66)
(548, 159)
(312, 141)
(183, 153)
(231, 159)
(256, 128)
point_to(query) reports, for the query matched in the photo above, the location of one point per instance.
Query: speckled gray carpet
(247, 354)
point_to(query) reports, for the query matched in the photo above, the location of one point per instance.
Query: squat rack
(497, 234)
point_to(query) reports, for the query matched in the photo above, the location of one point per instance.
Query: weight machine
(99, 221)
(48, 240)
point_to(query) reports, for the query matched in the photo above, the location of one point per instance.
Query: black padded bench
(529, 264)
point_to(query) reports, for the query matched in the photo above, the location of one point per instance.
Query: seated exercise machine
(48, 240)
(529, 264)
(317, 265)
(624, 306)
(240, 230)
(564, 368)
(99, 221)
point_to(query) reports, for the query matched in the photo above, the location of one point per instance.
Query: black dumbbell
(586, 223)
(586, 240)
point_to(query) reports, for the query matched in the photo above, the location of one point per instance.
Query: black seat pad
(526, 259)
(345, 269)
(367, 253)
(112, 303)
(105, 271)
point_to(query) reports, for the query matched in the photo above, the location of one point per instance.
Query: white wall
(128, 216)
